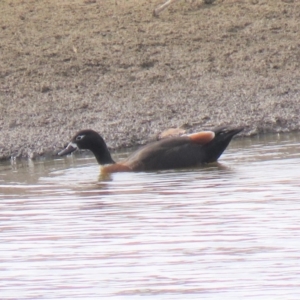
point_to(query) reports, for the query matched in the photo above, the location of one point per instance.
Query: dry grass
(69, 65)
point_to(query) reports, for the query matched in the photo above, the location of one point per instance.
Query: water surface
(225, 231)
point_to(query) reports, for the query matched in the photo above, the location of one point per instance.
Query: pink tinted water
(225, 231)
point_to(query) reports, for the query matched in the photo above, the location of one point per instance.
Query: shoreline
(131, 76)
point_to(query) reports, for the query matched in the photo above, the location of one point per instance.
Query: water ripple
(228, 230)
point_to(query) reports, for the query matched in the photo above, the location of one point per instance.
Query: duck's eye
(79, 137)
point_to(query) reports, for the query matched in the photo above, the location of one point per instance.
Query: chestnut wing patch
(202, 137)
(171, 132)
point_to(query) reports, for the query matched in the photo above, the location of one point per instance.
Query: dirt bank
(111, 66)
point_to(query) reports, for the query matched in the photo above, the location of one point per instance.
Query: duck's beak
(69, 149)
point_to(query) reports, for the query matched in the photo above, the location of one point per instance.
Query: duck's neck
(104, 158)
(102, 153)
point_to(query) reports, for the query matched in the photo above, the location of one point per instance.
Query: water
(226, 231)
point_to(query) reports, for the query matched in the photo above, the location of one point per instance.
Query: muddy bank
(113, 67)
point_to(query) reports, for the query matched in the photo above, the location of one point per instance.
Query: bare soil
(111, 66)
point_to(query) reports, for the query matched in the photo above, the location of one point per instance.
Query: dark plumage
(169, 153)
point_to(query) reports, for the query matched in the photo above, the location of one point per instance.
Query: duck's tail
(217, 146)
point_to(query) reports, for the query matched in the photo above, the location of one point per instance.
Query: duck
(170, 152)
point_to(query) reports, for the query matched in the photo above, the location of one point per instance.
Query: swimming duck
(169, 153)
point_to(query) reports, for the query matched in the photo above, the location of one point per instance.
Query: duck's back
(170, 153)
(182, 152)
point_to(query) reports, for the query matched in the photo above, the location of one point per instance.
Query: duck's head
(90, 140)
